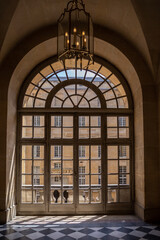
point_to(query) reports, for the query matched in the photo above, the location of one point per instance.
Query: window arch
(75, 139)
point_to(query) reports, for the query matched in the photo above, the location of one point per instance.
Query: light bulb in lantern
(75, 37)
(65, 39)
(85, 41)
(68, 43)
(77, 44)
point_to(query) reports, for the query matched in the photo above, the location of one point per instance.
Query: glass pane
(56, 152)
(26, 132)
(112, 104)
(83, 196)
(56, 167)
(67, 152)
(96, 121)
(90, 94)
(26, 180)
(123, 102)
(39, 121)
(112, 180)
(124, 132)
(105, 72)
(95, 103)
(112, 152)
(114, 80)
(38, 167)
(76, 99)
(95, 152)
(124, 152)
(27, 121)
(112, 195)
(119, 91)
(42, 94)
(83, 104)
(123, 121)
(83, 152)
(104, 87)
(27, 167)
(38, 196)
(95, 167)
(95, 196)
(38, 152)
(126, 164)
(112, 133)
(81, 89)
(38, 132)
(70, 89)
(124, 195)
(26, 196)
(40, 103)
(95, 132)
(38, 180)
(112, 166)
(83, 133)
(26, 152)
(109, 95)
(83, 121)
(68, 196)
(95, 181)
(68, 181)
(68, 103)
(67, 132)
(55, 196)
(83, 167)
(56, 121)
(67, 167)
(56, 180)
(56, 133)
(112, 121)
(83, 181)
(28, 102)
(68, 121)
(56, 103)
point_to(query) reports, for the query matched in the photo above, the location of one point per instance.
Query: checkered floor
(79, 227)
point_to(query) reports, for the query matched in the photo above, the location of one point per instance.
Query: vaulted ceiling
(137, 21)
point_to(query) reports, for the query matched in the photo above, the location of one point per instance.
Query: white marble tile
(77, 235)
(137, 234)
(35, 235)
(56, 235)
(118, 234)
(155, 233)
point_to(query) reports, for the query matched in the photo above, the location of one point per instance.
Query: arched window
(75, 140)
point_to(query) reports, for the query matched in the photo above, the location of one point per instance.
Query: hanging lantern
(75, 33)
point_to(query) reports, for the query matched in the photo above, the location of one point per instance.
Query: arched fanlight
(75, 33)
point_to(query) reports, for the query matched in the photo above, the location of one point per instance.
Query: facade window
(99, 121)
(57, 151)
(36, 151)
(57, 121)
(57, 165)
(122, 152)
(82, 152)
(122, 175)
(82, 121)
(122, 121)
(82, 170)
(36, 121)
(82, 180)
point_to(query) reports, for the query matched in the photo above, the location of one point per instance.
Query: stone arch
(38, 47)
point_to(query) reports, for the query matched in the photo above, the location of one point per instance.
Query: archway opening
(75, 140)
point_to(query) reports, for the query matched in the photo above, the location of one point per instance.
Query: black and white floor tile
(79, 227)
